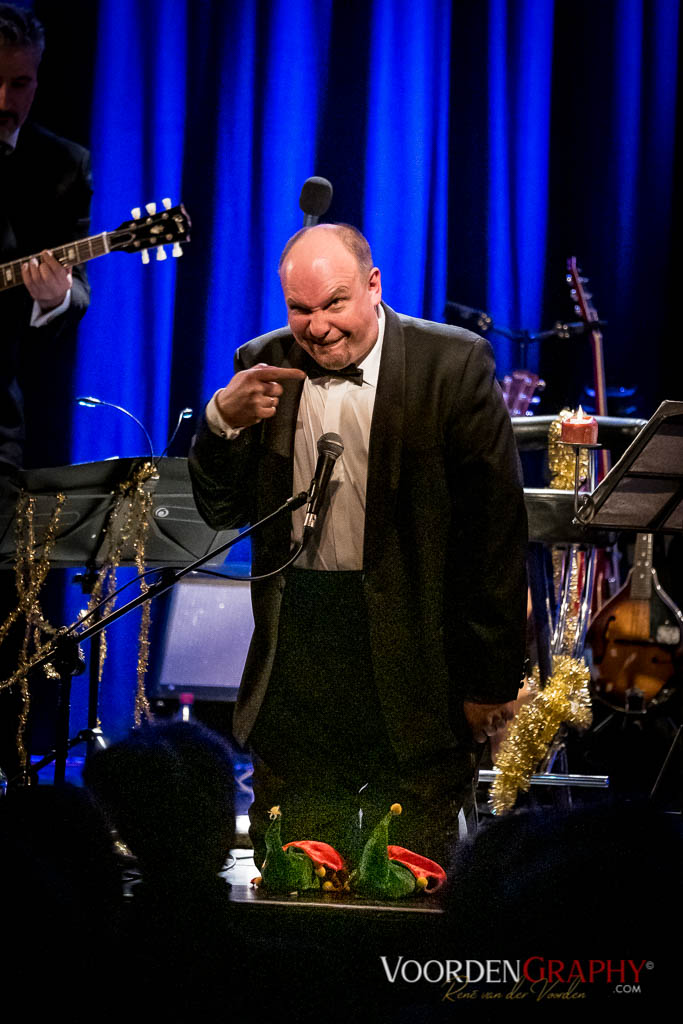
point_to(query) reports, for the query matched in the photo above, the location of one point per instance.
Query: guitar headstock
(582, 299)
(519, 391)
(170, 226)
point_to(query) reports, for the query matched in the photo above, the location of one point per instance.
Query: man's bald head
(332, 292)
(350, 237)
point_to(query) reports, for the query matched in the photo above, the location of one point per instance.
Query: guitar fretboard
(641, 581)
(75, 252)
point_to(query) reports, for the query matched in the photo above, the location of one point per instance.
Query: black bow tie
(350, 372)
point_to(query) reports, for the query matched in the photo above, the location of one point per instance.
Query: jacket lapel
(386, 440)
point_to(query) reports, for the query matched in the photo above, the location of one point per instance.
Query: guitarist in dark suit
(45, 192)
(395, 644)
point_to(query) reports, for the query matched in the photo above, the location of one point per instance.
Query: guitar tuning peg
(151, 208)
(145, 256)
(577, 308)
(161, 252)
(136, 213)
(177, 249)
(568, 278)
(166, 203)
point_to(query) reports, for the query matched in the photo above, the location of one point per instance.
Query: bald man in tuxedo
(394, 646)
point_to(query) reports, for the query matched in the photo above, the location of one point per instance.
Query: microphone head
(330, 444)
(316, 196)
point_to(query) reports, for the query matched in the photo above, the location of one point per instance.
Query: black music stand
(176, 534)
(644, 491)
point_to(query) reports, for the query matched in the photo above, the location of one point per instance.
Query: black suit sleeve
(223, 474)
(74, 217)
(488, 589)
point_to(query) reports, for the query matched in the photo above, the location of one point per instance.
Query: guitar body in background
(636, 638)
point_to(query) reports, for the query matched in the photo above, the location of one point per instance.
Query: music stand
(644, 491)
(176, 534)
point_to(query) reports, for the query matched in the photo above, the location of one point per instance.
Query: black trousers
(320, 744)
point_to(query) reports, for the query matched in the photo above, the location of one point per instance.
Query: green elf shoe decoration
(298, 866)
(390, 872)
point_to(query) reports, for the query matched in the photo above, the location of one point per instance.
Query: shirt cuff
(39, 319)
(217, 424)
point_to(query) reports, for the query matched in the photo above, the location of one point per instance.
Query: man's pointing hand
(253, 395)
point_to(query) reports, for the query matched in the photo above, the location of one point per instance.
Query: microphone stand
(483, 322)
(68, 660)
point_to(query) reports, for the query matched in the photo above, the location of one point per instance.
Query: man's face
(331, 303)
(18, 83)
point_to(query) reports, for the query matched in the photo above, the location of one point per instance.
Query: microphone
(330, 447)
(315, 199)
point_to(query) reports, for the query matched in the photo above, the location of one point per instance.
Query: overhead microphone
(330, 447)
(315, 199)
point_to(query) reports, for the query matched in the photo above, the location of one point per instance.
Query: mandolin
(636, 638)
(169, 226)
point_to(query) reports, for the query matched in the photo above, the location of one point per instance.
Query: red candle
(580, 428)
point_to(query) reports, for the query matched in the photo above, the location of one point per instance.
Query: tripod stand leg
(62, 737)
(668, 757)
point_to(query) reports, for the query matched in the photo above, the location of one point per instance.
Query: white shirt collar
(12, 141)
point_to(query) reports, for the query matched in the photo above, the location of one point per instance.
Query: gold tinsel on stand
(565, 699)
(127, 526)
(30, 573)
(562, 466)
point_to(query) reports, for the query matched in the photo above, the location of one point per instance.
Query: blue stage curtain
(126, 341)
(520, 43)
(406, 153)
(477, 146)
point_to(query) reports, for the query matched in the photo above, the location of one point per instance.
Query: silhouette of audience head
(535, 880)
(168, 790)
(62, 897)
(57, 848)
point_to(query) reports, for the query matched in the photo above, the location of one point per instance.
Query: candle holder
(581, 505)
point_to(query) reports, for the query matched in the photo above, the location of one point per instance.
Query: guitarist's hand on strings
(253, 395)
(47, 281)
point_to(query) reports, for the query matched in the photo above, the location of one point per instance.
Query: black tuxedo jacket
(45, 192)
(445, 529)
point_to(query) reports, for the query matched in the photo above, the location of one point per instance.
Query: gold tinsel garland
(565, 699)
(30, 575)
(562, 466)
(127, 525)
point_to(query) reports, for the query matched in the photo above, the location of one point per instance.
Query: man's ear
(375, 285)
